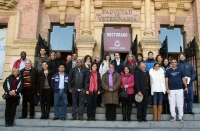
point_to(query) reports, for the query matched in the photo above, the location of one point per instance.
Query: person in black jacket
(44, 90)
(58, 60)
(142, 86)
(13, 85)
(92, 87)
(76, 84)
(29, 75)
(118, 63)
(52, 62)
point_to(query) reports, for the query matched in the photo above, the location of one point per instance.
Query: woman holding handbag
(127, 84)
(13, 86)
(44, 90)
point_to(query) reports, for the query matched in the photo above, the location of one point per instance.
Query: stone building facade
(25, 19)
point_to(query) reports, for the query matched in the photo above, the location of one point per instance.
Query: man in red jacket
(20, 64)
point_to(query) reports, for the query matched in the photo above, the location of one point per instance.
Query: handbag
(123, 93)
(5, 95)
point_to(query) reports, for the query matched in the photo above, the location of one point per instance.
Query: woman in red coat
(127, 82)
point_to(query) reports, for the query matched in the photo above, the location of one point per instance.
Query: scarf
(131, 62)
(93, 82)
(87, 64)
(110, 78)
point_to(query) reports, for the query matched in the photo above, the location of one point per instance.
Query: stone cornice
(7, 4)
(119, 4)
(62, 6)
(172, 6)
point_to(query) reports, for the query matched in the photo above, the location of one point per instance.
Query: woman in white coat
(158, 88)
(104, 67)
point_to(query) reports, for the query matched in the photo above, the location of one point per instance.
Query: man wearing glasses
(173, 80)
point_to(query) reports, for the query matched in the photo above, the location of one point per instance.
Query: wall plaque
(117, 15)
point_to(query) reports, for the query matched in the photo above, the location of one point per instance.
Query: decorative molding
(136, 4)
(7, 4)
(172, 6)
(62, 6)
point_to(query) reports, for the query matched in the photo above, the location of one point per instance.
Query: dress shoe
(73, 117)
(31, 117)
(22, 117)
(144, 119)
(192, 113)
(55, 118)
(88, 119)
(139, 120)
(93, 119)
(81, 118)
(63, 118)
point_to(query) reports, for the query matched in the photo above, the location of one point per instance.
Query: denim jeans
(188, 105)
(157, 98)
(60, 95)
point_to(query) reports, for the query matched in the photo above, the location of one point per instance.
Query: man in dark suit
(142, 87)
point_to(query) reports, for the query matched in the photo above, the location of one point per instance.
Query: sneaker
(173, 119)
(181, 120)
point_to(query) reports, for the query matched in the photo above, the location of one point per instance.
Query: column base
(149, 43)
(85, 45)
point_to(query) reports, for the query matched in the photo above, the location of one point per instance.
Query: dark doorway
(123, 56)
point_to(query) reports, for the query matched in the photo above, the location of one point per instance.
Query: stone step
(102, 125)
(101, 117)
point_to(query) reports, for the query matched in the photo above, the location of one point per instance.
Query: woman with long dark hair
(93, 85)
(130, 62)
(139, 58)
(159, 59)
(87, 62)
(13, 86)
(127, 82)
(104, 67)
(44, 90)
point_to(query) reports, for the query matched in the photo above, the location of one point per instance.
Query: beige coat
(111, 97)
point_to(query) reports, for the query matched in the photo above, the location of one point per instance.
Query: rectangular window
(3, 34)
(61, 38)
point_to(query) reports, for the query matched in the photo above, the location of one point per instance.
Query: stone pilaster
(85, 43)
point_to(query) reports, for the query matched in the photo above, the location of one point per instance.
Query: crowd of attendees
(100, 82)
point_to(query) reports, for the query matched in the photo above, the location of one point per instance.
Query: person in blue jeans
(157, 80)
(59, 83)
(189, 73)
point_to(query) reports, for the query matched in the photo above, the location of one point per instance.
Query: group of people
(80, 83)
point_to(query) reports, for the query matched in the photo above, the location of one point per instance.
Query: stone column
(85, 43)
(149, 42)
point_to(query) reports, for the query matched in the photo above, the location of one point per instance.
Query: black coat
(68, 67)
(41, 81)
(33, 77)
(77, 79)
(87, 81)
(131, 67)
(119, 67)
(52, 66)
(9, 84)
(140, 81)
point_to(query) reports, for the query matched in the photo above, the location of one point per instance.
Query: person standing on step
(68, 59)
(70, 66)
(38, 65)
(142, 86)
(111, 82)
(118, 63)
(139, 58)
(44, 90)
(189, 73)
(104, 67)
(150, 61)
(59, 83)
(157, 80)
(159, 59)
(97, 60)
(20, 63)
(13, 85)
(29, 75)
(173, 80)
(165, 66)
(52, 62)
(58, 61)
(87, 62)
(92, 87)
(130, 62)
(76, 84)
(127, 82)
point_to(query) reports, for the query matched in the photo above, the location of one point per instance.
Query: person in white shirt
(157, 80)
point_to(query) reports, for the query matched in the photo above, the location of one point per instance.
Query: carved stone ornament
(172, 6)
(7, 4)
(62, 6)
(136, 4)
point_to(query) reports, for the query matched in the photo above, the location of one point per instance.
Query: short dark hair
(112, 64)
(75, 54)
(150, 52)
(45, 62)
(126, 67)
(139, 54)
(42, 48)
(164, 60)
(174, 59)
(156, 64)
(61, 65)
(117, 53)
(107, 54)
(93, 63)
(182, 54)
(23, 52)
